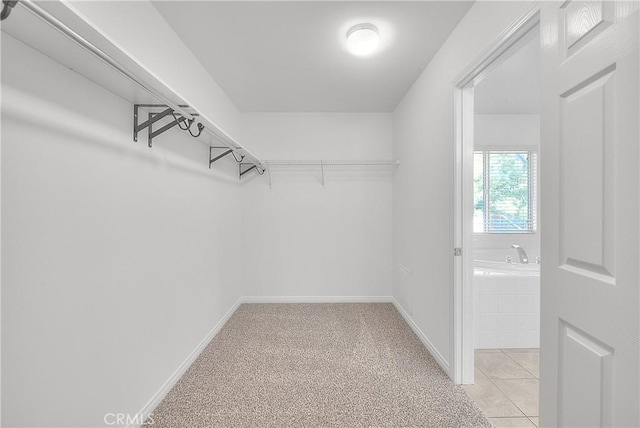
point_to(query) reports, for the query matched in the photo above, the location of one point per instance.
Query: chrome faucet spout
(522, 254)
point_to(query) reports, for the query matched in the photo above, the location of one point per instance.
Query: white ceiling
(290, 56)
(513, 87)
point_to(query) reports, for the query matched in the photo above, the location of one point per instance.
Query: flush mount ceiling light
(362, 39)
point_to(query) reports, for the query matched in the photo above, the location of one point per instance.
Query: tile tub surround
(506, 387)
(506, 306)
(316, 365)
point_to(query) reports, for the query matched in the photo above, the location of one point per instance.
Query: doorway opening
(497, 281)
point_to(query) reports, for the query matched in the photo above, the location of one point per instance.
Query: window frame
(533, 153)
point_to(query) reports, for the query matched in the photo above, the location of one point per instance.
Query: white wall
(519, 130)
(117, 259)
(303, 239)
(423, 187)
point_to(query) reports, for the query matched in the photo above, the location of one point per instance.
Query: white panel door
(590, 191)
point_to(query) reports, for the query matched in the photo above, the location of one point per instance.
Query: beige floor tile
(529, 360)
(479, 375)
(511, 423)
(522, 392)
(536, 421)
(491, 401)
(498, 365)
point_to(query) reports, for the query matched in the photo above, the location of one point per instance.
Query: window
(504, 191)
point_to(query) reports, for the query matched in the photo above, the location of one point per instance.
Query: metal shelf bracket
(7, 5)
(243, 168)
(154, 117)
(219, 156)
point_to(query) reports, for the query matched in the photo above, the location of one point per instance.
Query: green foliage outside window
(504, 191)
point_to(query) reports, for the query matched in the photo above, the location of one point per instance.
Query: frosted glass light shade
(362, 39)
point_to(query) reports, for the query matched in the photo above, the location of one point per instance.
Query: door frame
(463, 92)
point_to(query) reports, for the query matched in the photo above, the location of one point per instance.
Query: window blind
(505, 191)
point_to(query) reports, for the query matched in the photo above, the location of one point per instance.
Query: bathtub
(502, 268)
(506, 300)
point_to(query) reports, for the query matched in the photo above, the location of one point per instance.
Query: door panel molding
(589, 401)
(582, 22)
(587, 207)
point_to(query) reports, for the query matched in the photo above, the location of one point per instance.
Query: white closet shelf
(56, 30)
(323, 162)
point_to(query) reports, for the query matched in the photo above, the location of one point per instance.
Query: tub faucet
(521, 253)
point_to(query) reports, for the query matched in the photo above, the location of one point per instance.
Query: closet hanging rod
(90, 47)
(214, 131)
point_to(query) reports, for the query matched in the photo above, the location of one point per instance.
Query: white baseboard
(162, 392)
(317, 299)
(424, 339)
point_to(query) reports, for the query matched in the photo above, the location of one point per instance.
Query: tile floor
(506, 388)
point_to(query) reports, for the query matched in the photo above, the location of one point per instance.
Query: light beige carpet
(316, 365)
